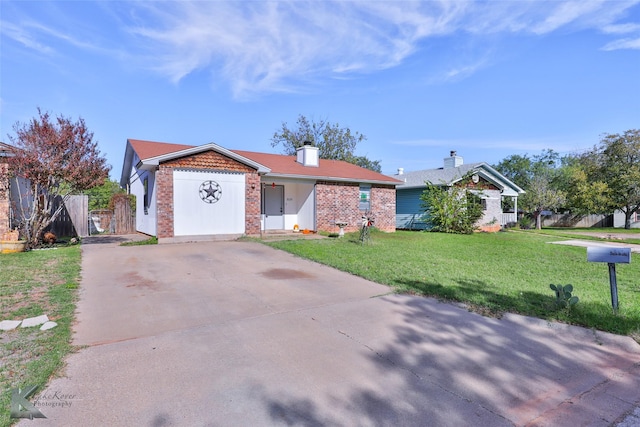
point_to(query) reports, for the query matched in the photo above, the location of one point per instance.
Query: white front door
(273, 207)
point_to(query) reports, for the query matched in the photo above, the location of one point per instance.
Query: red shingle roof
(287, 165)
(279, 164)
(149, 149)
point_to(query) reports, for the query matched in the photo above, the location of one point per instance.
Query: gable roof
(149, 149)
(150, 154)
(449, 176)
(336, 170)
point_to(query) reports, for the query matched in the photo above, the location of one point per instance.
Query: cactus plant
(564, 298)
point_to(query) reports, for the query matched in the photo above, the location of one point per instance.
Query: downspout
(262, 217)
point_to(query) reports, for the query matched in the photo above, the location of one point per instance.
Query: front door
(273, 207)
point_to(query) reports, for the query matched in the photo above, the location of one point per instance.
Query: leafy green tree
(608, 176)
(540, 177)
(519, 169)
(585, 194)
(541, 196)
(333, 142)
(100, 196)
(451, 209)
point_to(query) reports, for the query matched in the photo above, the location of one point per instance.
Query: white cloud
(24, 37)
(274, 46)
(53, 38)
(621, 28)
(567, 12)
(284, 45)
(633, 43)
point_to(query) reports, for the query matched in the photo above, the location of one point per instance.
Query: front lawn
(31, 284)
(491, 273)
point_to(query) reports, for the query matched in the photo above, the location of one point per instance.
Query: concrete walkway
(237, 334)
(594, 243)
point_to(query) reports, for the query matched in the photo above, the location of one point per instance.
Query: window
(484, 204)
(365, 197)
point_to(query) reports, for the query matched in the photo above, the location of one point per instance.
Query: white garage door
(206, 203)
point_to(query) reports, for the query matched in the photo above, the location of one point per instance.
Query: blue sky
(486, 78)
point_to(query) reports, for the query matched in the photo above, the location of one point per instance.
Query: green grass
(153, 240)
(31, 284)
(491, 272)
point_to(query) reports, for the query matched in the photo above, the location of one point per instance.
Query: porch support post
(515, 206)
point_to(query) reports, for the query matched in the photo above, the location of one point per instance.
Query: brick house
(489, 184)
(186, 193)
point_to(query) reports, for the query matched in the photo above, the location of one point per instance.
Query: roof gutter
(331, 178)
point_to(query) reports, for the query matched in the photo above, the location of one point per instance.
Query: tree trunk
(627, 219)
(538, 216)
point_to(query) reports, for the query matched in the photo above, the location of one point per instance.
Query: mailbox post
(612, 256)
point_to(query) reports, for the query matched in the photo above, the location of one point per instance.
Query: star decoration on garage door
(210, 191)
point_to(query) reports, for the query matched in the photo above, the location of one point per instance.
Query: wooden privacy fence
(72, 220)
(125, 220)
(75, 219)
(120, 220)
(570, 220)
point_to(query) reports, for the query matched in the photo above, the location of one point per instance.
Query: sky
(488, 79)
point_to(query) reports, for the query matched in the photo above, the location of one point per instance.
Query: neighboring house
(619, 219)
(207, 192)
(490, 184)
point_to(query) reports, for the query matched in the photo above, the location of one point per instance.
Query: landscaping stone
(48, 325)
(8, 325)
(34, 321)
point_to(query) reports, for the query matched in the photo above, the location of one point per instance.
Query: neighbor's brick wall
(4, 200)
(338, 201)
(207, 161)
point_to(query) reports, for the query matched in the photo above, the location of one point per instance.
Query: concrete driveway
(238, 334)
